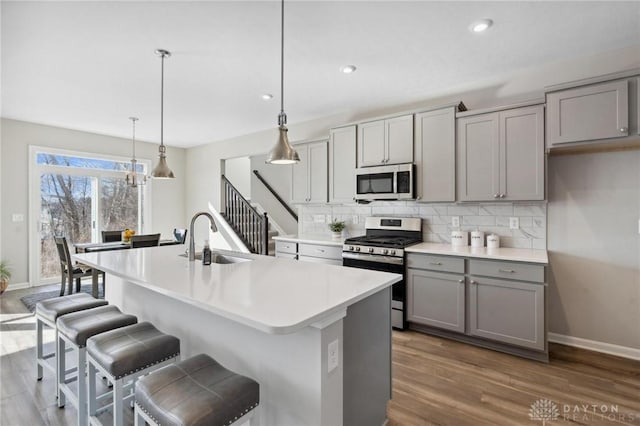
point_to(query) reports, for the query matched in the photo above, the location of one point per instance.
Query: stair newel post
(265, 235)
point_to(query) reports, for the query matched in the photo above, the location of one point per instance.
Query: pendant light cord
(133, 139)
(282, 118)
(162, 101)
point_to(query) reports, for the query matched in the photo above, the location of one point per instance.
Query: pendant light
(162, 170)
(282, 152)
(131, 178)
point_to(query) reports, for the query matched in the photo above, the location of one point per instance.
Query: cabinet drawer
(320, 260)
(509, 270)
(325, 252)
(286, 247)
(435, 263)
(286, 255)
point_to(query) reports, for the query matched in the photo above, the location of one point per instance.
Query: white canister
(493, 241)
(459, 238)
(477, 239)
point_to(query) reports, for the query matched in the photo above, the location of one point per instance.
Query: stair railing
(251, 226)
(275, 194)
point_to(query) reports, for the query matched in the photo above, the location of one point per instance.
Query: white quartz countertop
(311, 239)
(274, 295)
(503, 253)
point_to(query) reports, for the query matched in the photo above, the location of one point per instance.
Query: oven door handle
(373, 258)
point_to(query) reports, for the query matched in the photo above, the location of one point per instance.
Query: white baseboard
(592, 345)
(17, 286)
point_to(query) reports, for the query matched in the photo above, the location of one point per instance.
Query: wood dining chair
(71, 270)
(145, 240)
(111, 236)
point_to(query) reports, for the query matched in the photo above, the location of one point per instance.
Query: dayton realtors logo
(544, 410)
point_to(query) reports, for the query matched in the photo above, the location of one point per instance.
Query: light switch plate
(355, 219)
(17, 217)
(455, 221)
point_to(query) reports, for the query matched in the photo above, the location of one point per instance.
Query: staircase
(251, 226)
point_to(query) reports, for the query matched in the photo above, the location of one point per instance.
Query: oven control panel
(380, 251)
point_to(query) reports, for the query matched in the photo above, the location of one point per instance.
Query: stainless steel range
(382, 249)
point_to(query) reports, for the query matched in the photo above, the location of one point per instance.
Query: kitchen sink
(221, 259)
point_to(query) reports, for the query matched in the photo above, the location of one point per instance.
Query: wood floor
(435, 382)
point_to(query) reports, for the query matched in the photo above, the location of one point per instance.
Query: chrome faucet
(192, 243)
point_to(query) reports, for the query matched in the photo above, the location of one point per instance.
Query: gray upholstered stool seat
(122, 356)
(51, 309)
(48, 311)
(196, 391)
(75, 328)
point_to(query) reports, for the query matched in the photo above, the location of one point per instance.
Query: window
(80, 196)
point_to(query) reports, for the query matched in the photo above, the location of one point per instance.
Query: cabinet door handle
(496, 195)
(435, 263)
(461, 281)
(502, 195)
(320, 250)
(382, 161)
(473, 282)
(508, 271)
(418, 198)
(624, 129)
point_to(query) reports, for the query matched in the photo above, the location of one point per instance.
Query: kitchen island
(316, 337)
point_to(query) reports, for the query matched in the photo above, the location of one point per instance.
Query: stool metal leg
(92, 402)
(60, 370)
(39, 354)
(82, 387)
(118, 396)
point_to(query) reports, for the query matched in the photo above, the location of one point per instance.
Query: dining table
(115, 245)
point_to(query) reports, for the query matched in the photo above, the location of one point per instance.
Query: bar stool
(47, 312)
(74, 329)
(122, 356)
(196, 391)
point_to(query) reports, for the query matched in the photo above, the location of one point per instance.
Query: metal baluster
(265, 233)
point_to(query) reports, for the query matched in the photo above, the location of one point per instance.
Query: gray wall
(279, 177)
(238, 172)
(167, 206)
(594, 246)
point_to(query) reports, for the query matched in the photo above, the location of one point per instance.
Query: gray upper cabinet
(342, 164)
(598, 111)
(385, 141)
(500, 155)
(435, 148)
(309, 176)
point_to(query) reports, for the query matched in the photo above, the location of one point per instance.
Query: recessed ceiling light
(348, 69)
(267, 96)
(481, 25)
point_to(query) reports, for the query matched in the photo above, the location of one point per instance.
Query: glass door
(66, 205)
(77, 196)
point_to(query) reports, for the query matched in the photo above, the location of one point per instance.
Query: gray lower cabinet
(306, 252)
(436, 299)
(507, 311)
(485, 300)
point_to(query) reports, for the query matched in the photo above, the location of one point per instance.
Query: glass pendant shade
(283, 152)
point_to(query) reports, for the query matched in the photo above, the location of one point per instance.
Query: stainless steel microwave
(393, 182)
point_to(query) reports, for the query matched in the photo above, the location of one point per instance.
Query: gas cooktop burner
(383, 241)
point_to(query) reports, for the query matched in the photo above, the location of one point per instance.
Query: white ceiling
(90, 65)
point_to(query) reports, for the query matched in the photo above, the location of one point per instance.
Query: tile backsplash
(436, 226)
